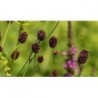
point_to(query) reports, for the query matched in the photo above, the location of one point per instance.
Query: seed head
(54, 73)
(41, 35)
(15, 55)
(22, 37)
(53, 42)
(83, 57)
(40, 59)
(35, 48)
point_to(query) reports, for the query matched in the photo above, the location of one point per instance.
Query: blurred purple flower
(73, 50)
(70, 64)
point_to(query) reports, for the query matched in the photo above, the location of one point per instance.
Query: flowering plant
(34, 51)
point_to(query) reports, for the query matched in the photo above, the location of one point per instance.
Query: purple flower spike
(73, 50)
(71, 64)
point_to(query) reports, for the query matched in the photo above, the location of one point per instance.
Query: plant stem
(24, 64)
(25, 71)
(17, 47)
(6, 33)
(70, 44)
(70, 34)
(35, 67)
(52, 30)
(28, 64)
(80, 69)
(29, 60)
(70, 39)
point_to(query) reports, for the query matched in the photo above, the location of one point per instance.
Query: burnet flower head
(41, 35)
(53, 42)
(82, 58)
(22, 37)
(35, 47)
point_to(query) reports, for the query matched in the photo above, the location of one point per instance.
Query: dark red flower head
(83, 57)
(41, 35)
(40, 59)
(15, 55)
(53, 42)
(54, 73)
(22, 37)
(35, 48)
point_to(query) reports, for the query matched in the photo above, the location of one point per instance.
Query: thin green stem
(35, 67)
(52, 30)
(80, 69)
(34, 59)
(6, 33)
(17, 46)
(28, 64)
(24, 64)
(30, 60)
(22, 68)
(25, 71)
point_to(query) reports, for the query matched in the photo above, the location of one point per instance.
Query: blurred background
(85, 35)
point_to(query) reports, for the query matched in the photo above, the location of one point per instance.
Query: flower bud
(53, 42)
(54, 73)
(15, 55)
(35, 48)
(22, 37)
(40, 59)
(83, 57)
(41, 35)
